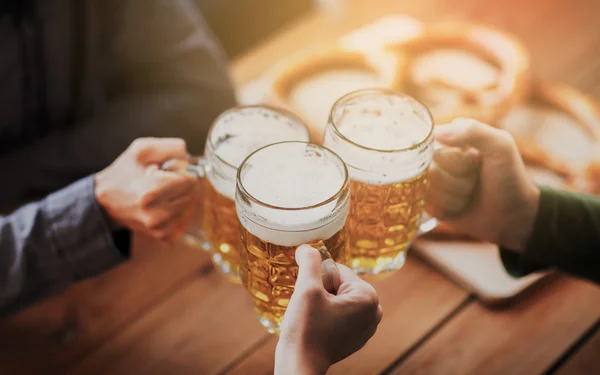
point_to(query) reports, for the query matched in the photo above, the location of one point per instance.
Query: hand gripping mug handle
(329, 270)
(198, 167)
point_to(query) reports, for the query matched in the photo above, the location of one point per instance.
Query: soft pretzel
(386, 67)
(486, 103)
(586, 113)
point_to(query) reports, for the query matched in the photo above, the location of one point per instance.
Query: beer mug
(288, 194)
(386, 140)
(235, 134)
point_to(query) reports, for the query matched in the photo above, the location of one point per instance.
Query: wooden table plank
(415, 301)
(525, 339)
(200, 329)
(63, 329)
(585, 360)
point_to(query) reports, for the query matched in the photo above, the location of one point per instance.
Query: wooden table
(169, 312)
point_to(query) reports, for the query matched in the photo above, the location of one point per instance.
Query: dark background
(240, 24)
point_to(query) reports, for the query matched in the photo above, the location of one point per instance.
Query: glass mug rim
(279, 110)
(343, 189)
(389, 92)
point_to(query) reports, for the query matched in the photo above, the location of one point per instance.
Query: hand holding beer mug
(386, 140)
(347, 318)
(234, 135)
(288, 194)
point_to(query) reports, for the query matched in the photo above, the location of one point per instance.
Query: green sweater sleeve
(566, 236)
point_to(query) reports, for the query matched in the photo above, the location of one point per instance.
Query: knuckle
(504, 138)
(146, 200)
(139, 144)
(141, 147)
(474, 127)
(153, 222)
(180, 145)
(162, 236)
(370, 297)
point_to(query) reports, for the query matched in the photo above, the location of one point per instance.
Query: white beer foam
(240, 132)
(384, 124)
(291, 176)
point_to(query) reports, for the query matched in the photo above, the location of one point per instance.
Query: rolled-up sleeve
(565, 236)
(47, 245)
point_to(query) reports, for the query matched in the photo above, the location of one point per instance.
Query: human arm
(565, 236)
(497, 201)
(45, 246)
(79, 231)
(322, 327)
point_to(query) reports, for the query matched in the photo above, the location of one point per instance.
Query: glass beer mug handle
(330, 272)
(428, 223)
(196, 166)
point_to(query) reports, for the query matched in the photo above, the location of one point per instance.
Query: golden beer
(270, 271)
(221, 228)
(288, 194)
(384, 220)
(234, 135)
(386, 140)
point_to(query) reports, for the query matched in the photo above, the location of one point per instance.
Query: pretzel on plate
(487, 103)
(586, 112)
(386, 66)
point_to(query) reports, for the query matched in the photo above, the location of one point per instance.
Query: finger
(164, 232)
(443, 204)
(173, 227)
(309, 267)
(457, 161)
(158, 219)
(176, 231)
(166, 186)
(330, 276)
(470, 133)
(347, 275)
(441, 180)
(159, 150)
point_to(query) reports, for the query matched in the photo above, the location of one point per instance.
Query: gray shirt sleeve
(47, 245)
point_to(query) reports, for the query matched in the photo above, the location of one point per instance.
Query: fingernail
(331, 275)
(302, 249)
(305, 248)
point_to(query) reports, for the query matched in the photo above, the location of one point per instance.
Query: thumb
(159, 150)
(309, 267)
(466, 133)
